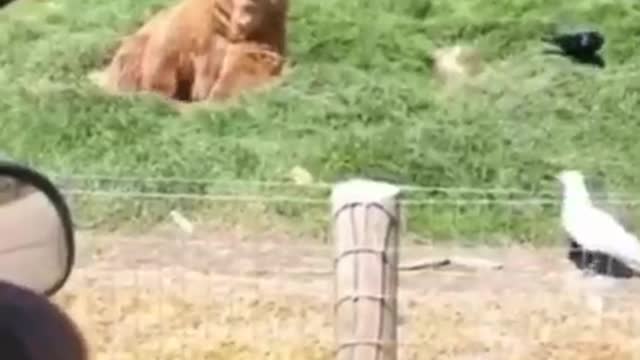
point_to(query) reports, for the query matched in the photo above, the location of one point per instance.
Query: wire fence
(95, 182)
(311, 200)
(462, 214)
(230, 291)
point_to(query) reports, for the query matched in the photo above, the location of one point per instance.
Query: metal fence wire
(227, 290)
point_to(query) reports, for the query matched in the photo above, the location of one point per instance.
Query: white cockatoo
(593, 229)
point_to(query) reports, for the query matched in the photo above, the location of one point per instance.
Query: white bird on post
(593, 229)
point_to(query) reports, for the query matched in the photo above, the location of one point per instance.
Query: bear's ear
(36, 231)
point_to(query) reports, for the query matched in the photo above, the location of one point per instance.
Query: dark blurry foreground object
(580, 46)
(36, 236)
(32, 328)
(4, 3)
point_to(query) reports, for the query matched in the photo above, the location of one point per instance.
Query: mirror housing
(37, 242)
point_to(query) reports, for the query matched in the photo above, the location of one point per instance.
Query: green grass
(359, 102)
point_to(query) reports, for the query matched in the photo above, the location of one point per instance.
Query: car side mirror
(37, 245)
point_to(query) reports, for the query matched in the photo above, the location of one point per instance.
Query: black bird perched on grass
(581, 46)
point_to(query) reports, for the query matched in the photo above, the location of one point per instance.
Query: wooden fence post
(366, 226)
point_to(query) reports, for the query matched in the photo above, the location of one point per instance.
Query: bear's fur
(187, 33)
(124, 72)
(201, 49)
(246, 66)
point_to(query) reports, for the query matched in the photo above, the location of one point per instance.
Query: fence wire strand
(540, 201)
(241, 184)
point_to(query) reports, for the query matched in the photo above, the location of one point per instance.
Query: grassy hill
(359, 102)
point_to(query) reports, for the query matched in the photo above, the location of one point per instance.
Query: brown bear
(202, 49)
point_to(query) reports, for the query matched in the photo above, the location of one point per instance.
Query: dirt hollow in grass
(232, 295)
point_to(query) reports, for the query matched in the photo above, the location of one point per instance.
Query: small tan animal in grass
(457, 63)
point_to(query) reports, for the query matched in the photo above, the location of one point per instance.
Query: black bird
(581, 46)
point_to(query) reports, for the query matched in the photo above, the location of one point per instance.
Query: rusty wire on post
(366, 226)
